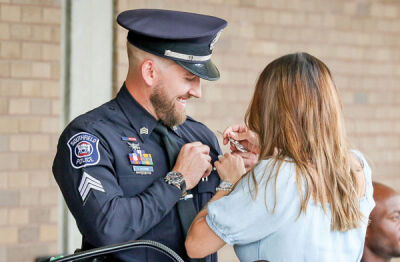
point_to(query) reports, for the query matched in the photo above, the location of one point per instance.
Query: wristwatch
(176, 179)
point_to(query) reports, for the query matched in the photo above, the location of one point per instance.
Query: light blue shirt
(258, 233)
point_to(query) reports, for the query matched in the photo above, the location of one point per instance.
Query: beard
(165, 109)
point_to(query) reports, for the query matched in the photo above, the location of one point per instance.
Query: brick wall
(29, 127)
(358, 40)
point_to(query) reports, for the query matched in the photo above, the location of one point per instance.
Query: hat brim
(207, 70)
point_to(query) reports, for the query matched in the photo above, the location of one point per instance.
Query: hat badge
(214, 41)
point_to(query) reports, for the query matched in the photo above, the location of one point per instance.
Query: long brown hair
(297, 114)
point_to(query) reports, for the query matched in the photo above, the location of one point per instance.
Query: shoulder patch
(84, 150)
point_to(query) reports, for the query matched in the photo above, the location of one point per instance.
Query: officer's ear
(150, 72)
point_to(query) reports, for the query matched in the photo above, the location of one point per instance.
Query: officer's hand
(193, 163)
(230, 167)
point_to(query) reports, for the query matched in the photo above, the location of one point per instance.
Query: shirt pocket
(135, 184)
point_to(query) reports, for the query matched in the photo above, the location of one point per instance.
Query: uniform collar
(140, 118)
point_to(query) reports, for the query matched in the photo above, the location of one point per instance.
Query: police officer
(115, 164)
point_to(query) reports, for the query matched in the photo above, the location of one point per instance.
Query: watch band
(225, 186)
(176, 179)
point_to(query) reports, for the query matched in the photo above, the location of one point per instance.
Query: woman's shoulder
(283, 171)
(361, 165)
(286, 165)
(364, 175)
(361, 158)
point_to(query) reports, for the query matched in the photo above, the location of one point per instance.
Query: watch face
(175, 177)
(179, 178)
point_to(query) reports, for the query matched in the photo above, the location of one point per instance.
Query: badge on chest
(142, 162)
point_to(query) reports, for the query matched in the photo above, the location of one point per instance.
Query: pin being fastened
(205, 179)
(238, 146)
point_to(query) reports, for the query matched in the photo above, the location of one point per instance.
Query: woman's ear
(149, 72)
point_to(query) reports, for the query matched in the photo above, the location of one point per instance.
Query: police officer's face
(169, 97)
(383, 235)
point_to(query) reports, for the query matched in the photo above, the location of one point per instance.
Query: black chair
(97, 254)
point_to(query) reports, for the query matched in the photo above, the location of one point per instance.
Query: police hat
(186, 38)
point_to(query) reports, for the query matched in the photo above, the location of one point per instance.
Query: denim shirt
(258, 231)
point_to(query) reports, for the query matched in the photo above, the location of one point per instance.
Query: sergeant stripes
(87, 183)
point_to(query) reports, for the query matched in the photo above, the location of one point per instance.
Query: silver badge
(134, 146)
(214, 41)
(144, 130)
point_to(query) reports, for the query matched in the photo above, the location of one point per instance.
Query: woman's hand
(249, 159)
(244, 136)
(248, 139)
(230, 167)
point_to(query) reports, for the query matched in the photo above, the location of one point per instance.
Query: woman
(308, 198)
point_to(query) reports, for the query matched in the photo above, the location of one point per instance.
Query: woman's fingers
(238, 128)
(249, 159)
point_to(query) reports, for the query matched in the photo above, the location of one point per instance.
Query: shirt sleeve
(369, 189)
(103, 214)
(242, 218)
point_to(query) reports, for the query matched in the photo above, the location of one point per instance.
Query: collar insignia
(144, 130)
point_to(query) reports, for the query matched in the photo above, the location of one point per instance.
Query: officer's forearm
(122, 218)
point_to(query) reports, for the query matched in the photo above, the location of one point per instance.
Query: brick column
(29, 127)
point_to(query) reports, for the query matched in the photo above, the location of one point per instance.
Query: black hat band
(187, 51)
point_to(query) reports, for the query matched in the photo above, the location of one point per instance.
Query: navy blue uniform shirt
(110, 167)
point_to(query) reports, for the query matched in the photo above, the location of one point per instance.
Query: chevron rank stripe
(88, 183)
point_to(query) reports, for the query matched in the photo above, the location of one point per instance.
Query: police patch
(84, 150)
